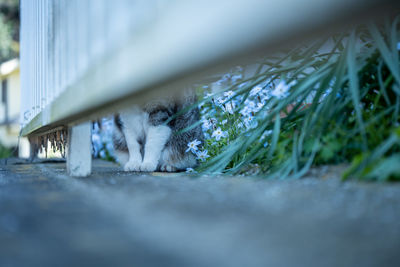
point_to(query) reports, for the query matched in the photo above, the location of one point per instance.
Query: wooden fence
(81, 59)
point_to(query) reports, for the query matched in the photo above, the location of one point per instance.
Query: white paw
(167, 168)
(148, 166)
(132, 166)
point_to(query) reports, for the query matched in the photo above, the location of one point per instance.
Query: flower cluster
(102, 144)
(200, 154)
(231, 107)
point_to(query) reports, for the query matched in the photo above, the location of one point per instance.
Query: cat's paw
(147, 166)
(167, 168)
(132, 166)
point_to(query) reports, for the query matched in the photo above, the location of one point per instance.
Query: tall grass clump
(333, 101)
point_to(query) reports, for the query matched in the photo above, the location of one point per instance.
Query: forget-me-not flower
(281, 90)
(207, 124)
(250, 122)
(229, 107)
(202, 155)
(229, 94)
(257, 89)
(218, 134)
(192, 146)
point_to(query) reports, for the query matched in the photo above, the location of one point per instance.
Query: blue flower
(265, 96)
(202, 155)
(204, 110)
(258, 107)
(192, 146)
(229, 94)
(218, 134)
(249, 103)
(250, 122)
(281, 90)
(246, 111)
(207, 124)
(229, 107)
(219, 101)
(96, 142)
(256, 90)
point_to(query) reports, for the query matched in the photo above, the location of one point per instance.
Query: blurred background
(10, 81)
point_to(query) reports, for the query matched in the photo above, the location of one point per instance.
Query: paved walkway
(125, 219)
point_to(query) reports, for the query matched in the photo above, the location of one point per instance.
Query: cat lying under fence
(150, 139)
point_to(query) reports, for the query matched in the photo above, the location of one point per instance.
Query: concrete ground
(125, 219)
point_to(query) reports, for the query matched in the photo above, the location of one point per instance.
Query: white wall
(9, 133)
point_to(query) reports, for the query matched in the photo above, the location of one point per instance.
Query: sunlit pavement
(124, 219)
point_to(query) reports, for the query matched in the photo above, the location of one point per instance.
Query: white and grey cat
(143, 141)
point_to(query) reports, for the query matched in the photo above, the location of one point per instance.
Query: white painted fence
(62, 40)
(82, 58)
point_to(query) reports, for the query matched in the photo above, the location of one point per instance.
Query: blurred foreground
(126, 219)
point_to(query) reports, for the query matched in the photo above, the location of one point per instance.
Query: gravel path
(124, 219)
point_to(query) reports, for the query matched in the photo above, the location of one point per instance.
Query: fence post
(79, 156)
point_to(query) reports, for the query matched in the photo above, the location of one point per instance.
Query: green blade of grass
(354, 87)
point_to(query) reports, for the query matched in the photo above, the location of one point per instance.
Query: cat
(144, 140)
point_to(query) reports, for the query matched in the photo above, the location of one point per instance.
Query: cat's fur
(143, 142)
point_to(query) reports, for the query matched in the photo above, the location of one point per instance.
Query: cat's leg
(156, 138)
(168, 155)
(133, 130)
(173, 160)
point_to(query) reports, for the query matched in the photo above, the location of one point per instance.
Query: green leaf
(354, 87)
(387, 168)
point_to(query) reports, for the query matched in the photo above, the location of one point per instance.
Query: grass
(310, 106)
(4, 152)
